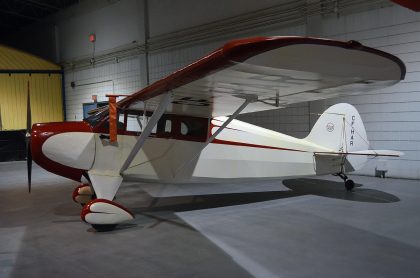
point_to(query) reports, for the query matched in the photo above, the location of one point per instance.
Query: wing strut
(248, 99)
(147, 130)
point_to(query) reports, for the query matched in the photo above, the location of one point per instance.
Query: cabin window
(164, 127)
(137, 121)
(194, 127)
(134, 123)
(169, 126)
(184, 129)
(102, 126)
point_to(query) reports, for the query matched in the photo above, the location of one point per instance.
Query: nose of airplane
(64, 148)
(72, 149)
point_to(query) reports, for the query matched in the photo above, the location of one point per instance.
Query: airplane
(182, 128)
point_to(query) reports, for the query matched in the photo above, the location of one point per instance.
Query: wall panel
(46, 99)
(123, 77)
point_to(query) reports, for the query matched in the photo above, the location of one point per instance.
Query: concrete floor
(292, 228)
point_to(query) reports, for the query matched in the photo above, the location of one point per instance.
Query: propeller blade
(28, 140)
(28, 114)
(29, 164)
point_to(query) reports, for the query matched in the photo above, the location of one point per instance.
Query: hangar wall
(17, 70)
(391, 118)
(119, 78)
(46, 99)
(391, 115)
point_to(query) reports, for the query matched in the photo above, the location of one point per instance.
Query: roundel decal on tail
(330, 127)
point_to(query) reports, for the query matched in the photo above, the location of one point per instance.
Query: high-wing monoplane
(182, 128)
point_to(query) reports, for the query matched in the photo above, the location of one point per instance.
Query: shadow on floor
(335, 190)
(298, 187)
(152, 211)
(159, 210)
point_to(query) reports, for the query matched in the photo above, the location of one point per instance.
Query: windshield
(97, 117)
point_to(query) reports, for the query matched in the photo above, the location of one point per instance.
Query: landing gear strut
(349, 184)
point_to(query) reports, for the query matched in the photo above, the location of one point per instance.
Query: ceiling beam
(18, 15)
(40, 4)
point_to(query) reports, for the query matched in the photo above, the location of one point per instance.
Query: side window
(194, 127)
(164, 127)
(168, 126)
(137, 123)
(120, 123)
(184, 129)
(134, 123)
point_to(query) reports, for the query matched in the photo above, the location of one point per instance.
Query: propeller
(28, 140)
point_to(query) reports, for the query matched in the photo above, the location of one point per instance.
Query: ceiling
(15, 14)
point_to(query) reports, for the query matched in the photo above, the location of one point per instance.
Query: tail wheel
(349, 184)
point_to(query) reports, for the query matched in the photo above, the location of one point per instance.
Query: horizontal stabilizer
(374, 153)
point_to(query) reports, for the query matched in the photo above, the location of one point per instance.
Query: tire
(349, 184)
(104, 227)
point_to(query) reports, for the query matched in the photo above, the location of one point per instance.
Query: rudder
(341, 129)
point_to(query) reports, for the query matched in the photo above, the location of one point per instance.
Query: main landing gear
(349, 184)
(83, 194)
(102, 214)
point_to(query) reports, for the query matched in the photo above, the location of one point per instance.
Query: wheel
(83, 194)
(104, 227)
(93, 197)
(349, 184)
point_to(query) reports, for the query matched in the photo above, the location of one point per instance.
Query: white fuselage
(241, 151)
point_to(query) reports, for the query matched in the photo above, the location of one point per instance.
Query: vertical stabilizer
(340, 129)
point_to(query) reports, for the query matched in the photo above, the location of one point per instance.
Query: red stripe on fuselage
(232, 143)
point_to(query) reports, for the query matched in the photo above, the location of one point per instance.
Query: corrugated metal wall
(46, 99)
(17, 68)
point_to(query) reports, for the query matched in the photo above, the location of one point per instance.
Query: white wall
(391, 117)
(115, 78)
(115, 24)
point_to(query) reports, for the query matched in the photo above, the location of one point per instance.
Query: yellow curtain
(46, 99)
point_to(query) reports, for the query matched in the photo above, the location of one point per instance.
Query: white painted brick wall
(121, 78)
(391, 116)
